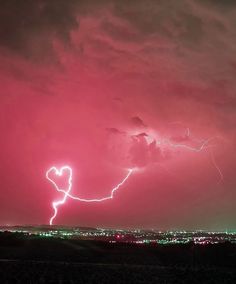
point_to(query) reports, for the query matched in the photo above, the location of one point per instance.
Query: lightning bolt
(59, 172)
(205, 144)
(221, 177)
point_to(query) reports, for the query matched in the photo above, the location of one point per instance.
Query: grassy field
(29, 259)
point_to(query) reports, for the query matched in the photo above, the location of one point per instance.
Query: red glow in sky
(109, 86)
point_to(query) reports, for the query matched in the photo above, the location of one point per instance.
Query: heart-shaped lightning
(59, 172)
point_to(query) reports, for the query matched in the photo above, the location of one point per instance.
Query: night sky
(104, 86)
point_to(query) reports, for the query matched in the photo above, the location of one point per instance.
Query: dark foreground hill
(30, 259)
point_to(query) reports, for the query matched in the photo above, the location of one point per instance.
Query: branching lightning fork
(67, 192)
(59, 172)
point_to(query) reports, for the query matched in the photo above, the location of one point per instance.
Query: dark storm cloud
(114, 130)
(183, 50)
(226, 4)
(29, 27)
(169, 19)
(137, 121)
(143, 153)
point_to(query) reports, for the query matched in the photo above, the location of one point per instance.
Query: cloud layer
(103, 87)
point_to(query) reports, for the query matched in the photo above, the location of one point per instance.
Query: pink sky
(107, 87)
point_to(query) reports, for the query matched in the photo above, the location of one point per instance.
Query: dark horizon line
(112, 228)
